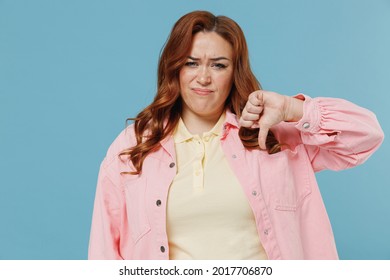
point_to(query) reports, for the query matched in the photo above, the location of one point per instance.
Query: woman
(216, 168)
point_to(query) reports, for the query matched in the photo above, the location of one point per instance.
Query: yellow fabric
(208, 214)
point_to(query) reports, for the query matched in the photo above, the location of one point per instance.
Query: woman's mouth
(202, 91)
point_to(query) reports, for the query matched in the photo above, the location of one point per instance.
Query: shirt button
(162, 249)
(234, 156)
(158, 202)
(306, 125)
(266, 232)
(172, 164)
(254, 193)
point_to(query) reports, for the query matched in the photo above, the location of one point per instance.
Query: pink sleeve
(110, 229)
(338, 134)
(106, 220)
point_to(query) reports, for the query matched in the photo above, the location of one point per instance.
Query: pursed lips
(202, 91)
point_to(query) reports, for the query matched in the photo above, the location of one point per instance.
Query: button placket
(198, 175)
(197, 165)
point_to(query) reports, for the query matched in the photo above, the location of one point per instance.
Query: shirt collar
(231, 119)
(181, 133)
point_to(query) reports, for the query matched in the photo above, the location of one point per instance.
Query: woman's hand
(265, 109)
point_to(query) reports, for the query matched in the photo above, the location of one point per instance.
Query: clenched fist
(265, 109)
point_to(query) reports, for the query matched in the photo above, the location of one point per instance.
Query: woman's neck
(196, 124)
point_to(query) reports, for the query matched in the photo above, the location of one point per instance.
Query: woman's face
(207, 77)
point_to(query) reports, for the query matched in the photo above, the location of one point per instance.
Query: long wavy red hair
(159, 119)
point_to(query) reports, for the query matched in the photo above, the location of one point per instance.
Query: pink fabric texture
(129, 217)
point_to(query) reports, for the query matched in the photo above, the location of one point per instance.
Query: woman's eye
(219, 66)
(191, 64)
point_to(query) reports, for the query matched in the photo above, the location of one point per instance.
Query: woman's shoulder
(125, 140)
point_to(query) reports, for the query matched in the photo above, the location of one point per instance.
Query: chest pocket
(135, 190)
(285, 179)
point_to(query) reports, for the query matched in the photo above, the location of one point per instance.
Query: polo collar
(181, 133)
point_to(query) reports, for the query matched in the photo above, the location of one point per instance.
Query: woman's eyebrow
(212, 59)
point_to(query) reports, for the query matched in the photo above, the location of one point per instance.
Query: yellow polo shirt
(208, 214)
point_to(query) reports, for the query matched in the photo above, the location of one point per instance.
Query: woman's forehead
(208, 45)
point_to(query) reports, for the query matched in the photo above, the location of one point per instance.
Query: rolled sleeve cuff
(310, 121)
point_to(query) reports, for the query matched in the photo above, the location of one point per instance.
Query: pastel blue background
(71, 72)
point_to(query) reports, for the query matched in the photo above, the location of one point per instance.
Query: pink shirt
(129, 218)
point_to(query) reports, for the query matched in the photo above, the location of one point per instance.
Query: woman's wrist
(293, 109)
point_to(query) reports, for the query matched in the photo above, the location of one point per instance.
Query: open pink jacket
(129, 218)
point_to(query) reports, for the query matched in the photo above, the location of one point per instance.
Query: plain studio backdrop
(71, 72)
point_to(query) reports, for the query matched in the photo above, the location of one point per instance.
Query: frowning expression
(207, 76)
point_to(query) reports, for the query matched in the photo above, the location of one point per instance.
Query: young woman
(216, 168)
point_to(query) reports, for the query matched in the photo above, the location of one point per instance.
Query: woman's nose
(203, 77)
